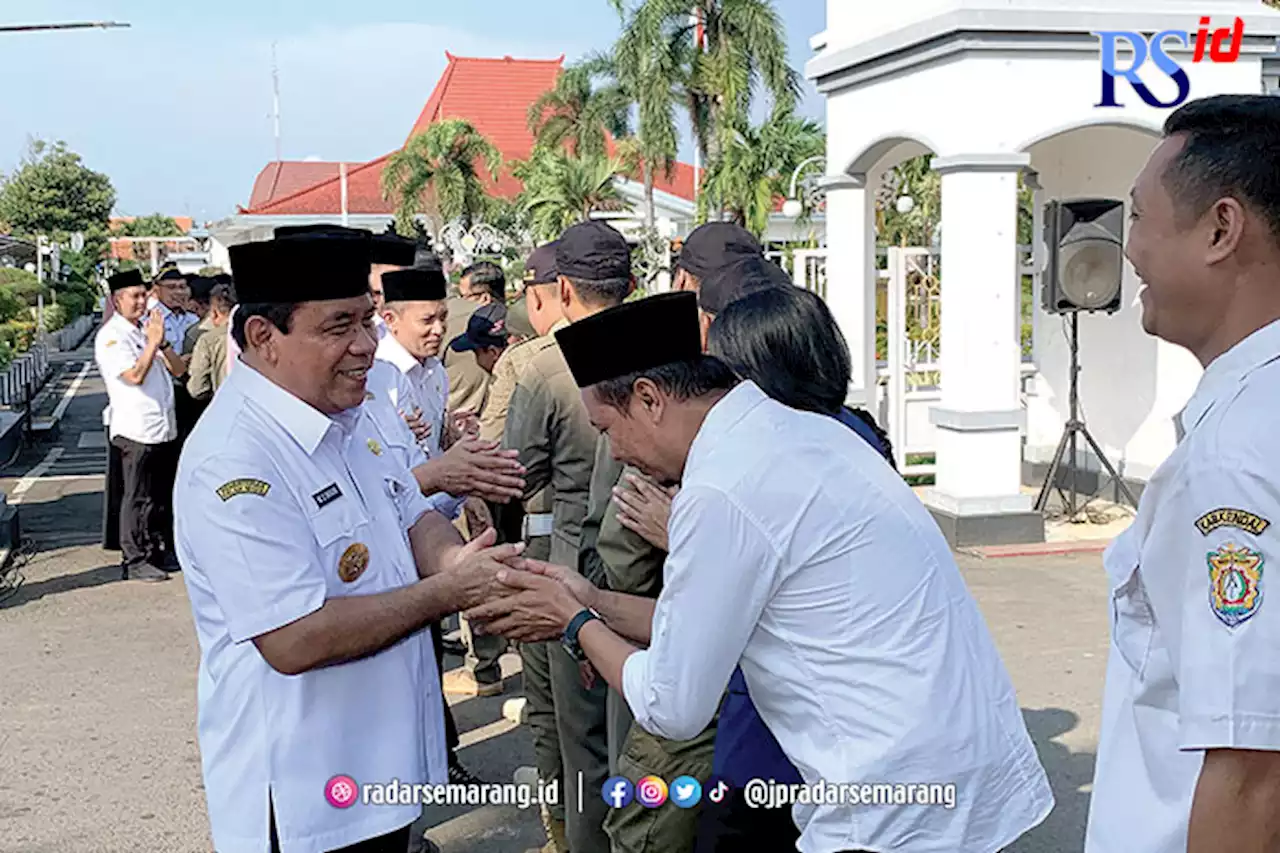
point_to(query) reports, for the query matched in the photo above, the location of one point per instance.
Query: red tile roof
(493, 94)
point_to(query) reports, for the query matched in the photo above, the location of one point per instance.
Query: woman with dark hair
(786, 340)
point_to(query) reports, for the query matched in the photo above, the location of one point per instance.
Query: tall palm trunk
(650, 212)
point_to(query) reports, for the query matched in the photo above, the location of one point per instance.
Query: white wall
(1131, 385)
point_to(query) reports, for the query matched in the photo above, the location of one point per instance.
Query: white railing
(71, 335)
(24, 376)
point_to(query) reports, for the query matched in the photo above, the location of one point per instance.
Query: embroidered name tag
(1227, 517)
(327, 495)
(243, 486)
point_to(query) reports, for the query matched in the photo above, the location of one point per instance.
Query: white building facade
(993, 91)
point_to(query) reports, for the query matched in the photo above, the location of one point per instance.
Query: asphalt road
(98, 748)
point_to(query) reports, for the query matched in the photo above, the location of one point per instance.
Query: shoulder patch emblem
(243, 486)
(1227, 517)
(1235, 583)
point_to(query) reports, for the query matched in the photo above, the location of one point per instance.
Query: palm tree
(715, 58)
(756, 166)
(583, 109)
(440, 173)
(651, 79)
(561, 190)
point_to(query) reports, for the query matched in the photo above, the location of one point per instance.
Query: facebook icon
(617, 791)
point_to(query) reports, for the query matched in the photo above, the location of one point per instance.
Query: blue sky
(177, 109)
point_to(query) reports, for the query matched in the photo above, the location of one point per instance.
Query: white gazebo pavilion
(994, 89)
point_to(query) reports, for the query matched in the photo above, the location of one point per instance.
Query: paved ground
(97, 692)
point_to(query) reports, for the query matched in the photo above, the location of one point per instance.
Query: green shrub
(17, 335)
(55, 316)
(24, 285)
(12, 306)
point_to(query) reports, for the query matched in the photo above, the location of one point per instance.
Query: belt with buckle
(539, 524)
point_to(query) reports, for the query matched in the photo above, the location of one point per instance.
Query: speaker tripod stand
(1074, 430)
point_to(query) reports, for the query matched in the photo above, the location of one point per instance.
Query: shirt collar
(305, 424)
(390, 349)
(562, 323)
(1225, 373)
(153, 302)
(120, 321)
(722, 417)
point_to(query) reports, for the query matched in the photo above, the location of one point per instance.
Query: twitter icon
(686, 791)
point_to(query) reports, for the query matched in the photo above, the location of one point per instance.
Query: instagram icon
(651, 792)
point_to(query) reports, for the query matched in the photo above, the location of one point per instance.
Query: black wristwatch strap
(570, 638)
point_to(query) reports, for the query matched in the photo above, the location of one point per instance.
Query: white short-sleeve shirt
(798, 554)
(142, 413)
(430, 383)
(1193, 663)
(278, 509)
(388, 393)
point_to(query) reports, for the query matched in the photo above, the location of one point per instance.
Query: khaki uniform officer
(313, 565)
(481, 284)
(138, 364)
(533, 524)
(548, 424)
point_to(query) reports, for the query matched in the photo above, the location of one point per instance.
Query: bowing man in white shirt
(1189, 751)
(138, 363)
(313, 563)
(798, 554)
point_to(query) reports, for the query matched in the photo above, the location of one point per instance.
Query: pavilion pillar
(851, 278)
(978, 498)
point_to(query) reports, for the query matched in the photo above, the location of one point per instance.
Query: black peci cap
(593, 251)
(393, 250)
(415, 284)
(631, 337)
(732, 282)
(128, 278)
(309, 267)
(715, 245)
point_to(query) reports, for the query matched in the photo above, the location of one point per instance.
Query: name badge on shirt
(327, 495)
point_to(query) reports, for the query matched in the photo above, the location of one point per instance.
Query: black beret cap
(715, 245)
(303, 268)
(593, 251)
(128, 278)
(632, 337)
(540, 268)
(393, 250)
(731, 283)
(415, 284)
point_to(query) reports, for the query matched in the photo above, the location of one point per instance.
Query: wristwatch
(570, 638)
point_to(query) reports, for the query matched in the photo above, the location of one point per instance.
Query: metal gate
(913, 337)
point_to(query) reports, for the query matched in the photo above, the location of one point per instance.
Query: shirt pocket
(1132, 619)
(347, 551)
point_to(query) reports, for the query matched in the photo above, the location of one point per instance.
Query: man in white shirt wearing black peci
(798, 554)
(138, 362)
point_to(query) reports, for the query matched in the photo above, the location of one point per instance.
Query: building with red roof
(494, 95)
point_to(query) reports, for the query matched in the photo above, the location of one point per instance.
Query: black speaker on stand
(1085, 269)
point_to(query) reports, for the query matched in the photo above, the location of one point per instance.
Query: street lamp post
(793, 207)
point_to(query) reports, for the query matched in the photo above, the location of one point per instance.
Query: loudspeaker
(1085, 264)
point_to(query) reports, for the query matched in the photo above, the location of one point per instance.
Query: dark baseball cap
(540, 267)
(593, 251)
(486, 328)
(731, 283)
(713, 246)
(201, 286)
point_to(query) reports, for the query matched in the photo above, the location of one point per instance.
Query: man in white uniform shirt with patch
(313, 563)
(1189, 753)
(138, 363)
(811, 564)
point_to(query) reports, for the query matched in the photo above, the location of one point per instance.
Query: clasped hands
(516, 597)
